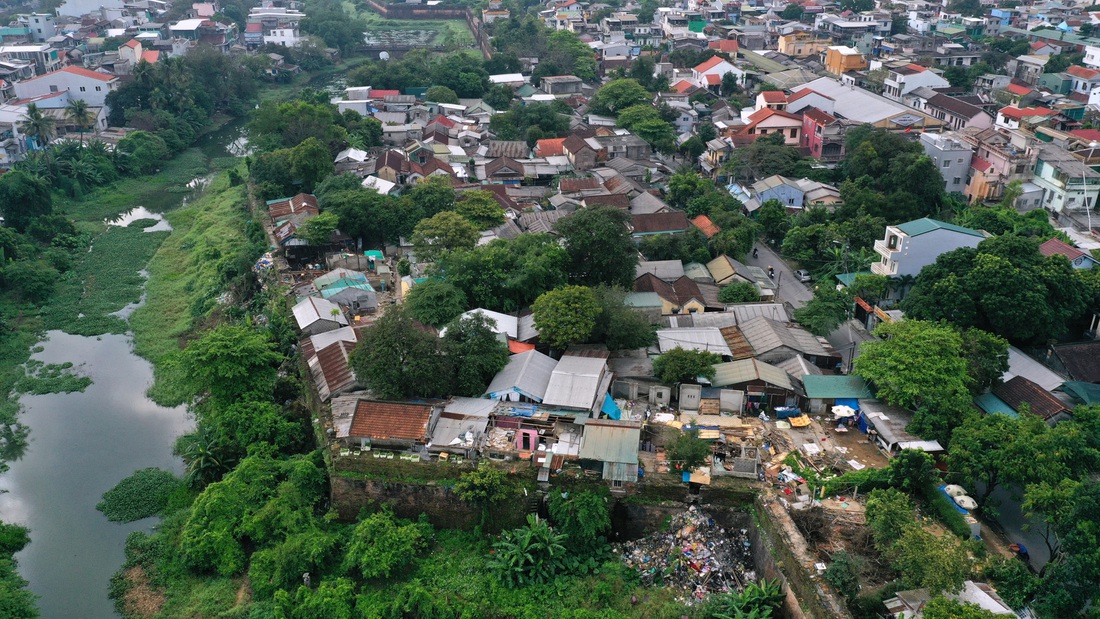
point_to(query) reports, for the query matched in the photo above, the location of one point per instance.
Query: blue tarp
(786, 412)
(610, 408)
(943, 489)
(850, 402)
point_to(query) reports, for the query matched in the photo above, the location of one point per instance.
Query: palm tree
(37, 125)
(80, 115)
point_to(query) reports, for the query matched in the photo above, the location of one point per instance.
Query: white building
(80, 83)
(903, 80)
(911, 246)
(287, 37)
(44, 57)
(42, 25)
(951, 156)
(1067, 183)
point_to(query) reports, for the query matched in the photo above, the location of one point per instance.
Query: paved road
(845, 339)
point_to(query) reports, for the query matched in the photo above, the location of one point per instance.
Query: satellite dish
(384, 56)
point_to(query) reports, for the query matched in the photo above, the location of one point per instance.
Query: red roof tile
(710, 64)
(1018, 89)
(706, 226)
(682, 86)
(443, 120)
(806, 92)
(659, 222)
(300, 203)
(980, 164)
(713, 80)
(515, 347)
(724, 45)
(150, 56)
(1055, 247)
(552, 147)
(1018, 113)
(81, 71)
(132, 43)
(569, 185)
(1082, 72)
(819, 117)
(774, 96)
(390, 420)
(1092, 135)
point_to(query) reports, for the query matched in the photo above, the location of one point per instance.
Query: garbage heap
(694, 555)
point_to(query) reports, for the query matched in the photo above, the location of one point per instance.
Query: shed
(615, 444)
(773, 341)
(524, 378)
(889, 424)
(706, 339)
(579, 382)
(762, 383)
(461, 425)
(331, 371)
(316, 315)
(824, 392)
(336, 275)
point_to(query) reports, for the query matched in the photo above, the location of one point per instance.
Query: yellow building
(840, 59)
(802, 44)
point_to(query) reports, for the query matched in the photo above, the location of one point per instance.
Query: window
(82, 89)
(947, 163)
(53, 88)
(97, 89)
(616, 483)
(956, 181)
(794, 133)
(959, 160)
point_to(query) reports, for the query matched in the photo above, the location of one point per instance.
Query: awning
(1087, 393)
(849, 402)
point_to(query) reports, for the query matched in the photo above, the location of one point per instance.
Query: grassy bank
(209, 245)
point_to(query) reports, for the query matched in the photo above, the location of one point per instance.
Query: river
(82, 444)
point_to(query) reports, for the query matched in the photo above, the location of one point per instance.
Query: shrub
(529, 555)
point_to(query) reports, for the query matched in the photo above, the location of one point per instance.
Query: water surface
(81, 445)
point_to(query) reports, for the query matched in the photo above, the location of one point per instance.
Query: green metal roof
(850, 278)
(1088, 393)
(745, 370)
(918, 227)
(642, 299)
(833, 387)
(992, 404)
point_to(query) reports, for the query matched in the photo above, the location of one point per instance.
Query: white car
(803, 276)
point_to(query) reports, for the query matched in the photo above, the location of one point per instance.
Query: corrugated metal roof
(606, 440)
(707, 339)
(331, 372)
(576, 382)
(337, 274)
(469, 407)
(745, 370)
(527, 373)
(765, 334)
(669, 270)
(312, 309)
(833, 387)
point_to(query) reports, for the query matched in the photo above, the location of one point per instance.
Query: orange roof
(713, 80)
(682, 86)
(706, 226)
(774, 96)
(980, 164)
(1018, 113)
(1017, 89)
(724, 45)
(1082, 72)
(805, 92)
(1092, 135)
(131, 43)
(515, 347)
(761, 115)
(550, 147)
(390, 420)
(916, 67)
(150, 56)
(710, 64)
(81, 71)
(1055, 247)
(377, 93)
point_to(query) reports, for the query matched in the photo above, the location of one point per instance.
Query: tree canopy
(599, 247)
(566, 316)
(681, 365)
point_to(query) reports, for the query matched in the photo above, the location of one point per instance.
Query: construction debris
(695, 555)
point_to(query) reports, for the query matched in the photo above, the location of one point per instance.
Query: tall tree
(473, 354)
(566, 316)
(230, 362)
(396, 358)
(681, 365)
(37, 125)
(23, 198)
(78, 113)
(599, 246)
(435, 302)
(442, 233)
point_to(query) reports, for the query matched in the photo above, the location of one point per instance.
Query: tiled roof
(1057, 247)
(819, 117)
(1082, 72)
(713, 80)
(550, 147)
(710, 64)
(569, 185)
(659, 222)
(150, 56)
(1019, 390)
(1018, 113)
(806, 92)
(954, 106)
(724, 45)
(773, 96)
(683, 86)
(1081, 360)
(81, 71)
(1018, 89)
(575, 144)
(980, 164)
(706, 226)
(617, 200)
(391, 420)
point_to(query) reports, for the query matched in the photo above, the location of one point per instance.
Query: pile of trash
(694, 555)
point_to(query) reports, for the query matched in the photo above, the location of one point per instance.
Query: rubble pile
(694, 555)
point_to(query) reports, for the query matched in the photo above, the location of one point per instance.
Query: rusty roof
(391, 420)
(675, 221)
(569, 185)
(616, 200)
(1019, 390)
(737, 343)
(331, 370)
(285, 207)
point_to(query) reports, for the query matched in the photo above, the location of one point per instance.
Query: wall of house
(921, 251)
(787, 195)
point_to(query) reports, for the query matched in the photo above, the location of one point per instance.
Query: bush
(141, 495)
(943, 509)
(530, 555)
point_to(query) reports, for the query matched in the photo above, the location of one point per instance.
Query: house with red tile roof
(773, 99)
(709, 74)
(551, 147)
(822, 135)
(1085, 85)
(768, 121)
(1012, 117)
(390, 424)
(91, 87)
(727, 46)
(1078, 258)
(706, 226)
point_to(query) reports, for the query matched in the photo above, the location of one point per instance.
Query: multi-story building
(80, 83)
(44, 57)
(952, 158)
(822, 135)
(1068, 184)
(902, 80)
(42, 26)
(840, 59)
(911, 246)
(998, 160)
(802, 44)
(850, 27)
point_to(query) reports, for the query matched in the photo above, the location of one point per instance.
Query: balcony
(883, 249)
(887, 268)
